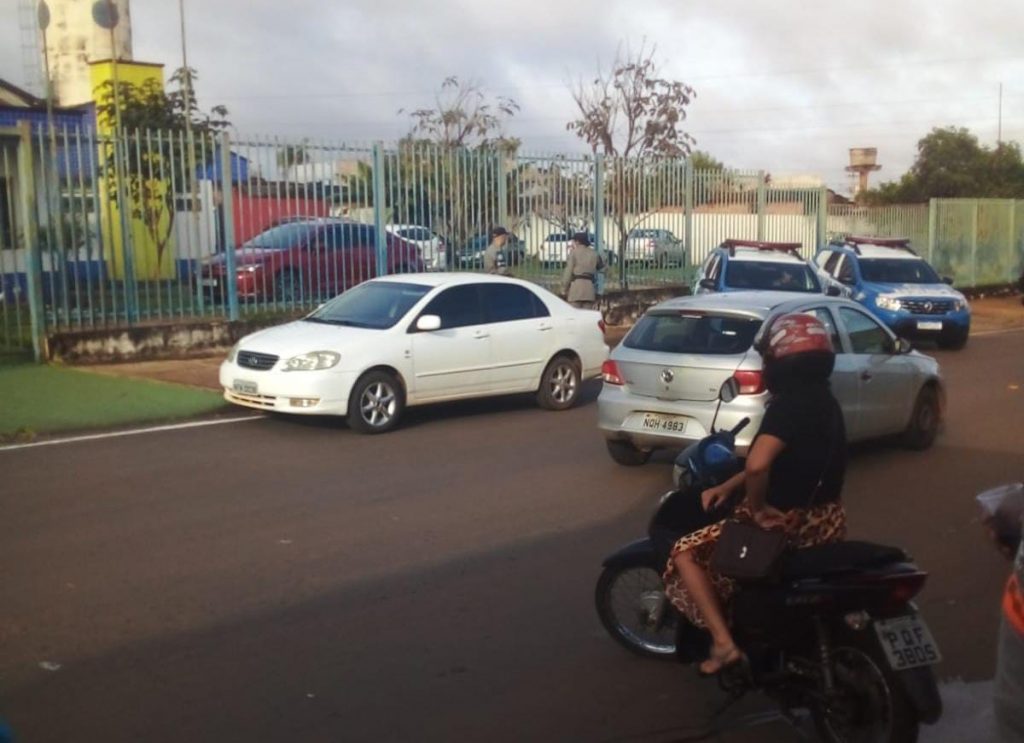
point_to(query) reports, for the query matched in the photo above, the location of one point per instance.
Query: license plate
(907, 642)
(667, 423)
(246, 388)
(211, 283)
(929, 325)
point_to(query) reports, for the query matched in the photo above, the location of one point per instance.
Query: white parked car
(418, 338)
(432, 248)
(554, 251)
(656, 247)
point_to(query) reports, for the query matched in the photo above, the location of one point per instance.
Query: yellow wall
(149, 263)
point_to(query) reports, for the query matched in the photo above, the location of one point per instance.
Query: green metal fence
(152, 227)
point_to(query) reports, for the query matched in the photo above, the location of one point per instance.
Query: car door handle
(480, 335)
(542, 328)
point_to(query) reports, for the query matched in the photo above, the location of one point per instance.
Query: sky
(786, 86)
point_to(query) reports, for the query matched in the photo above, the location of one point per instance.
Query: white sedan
(414, 339)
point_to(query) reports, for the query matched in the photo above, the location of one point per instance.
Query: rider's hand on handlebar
(714, 497)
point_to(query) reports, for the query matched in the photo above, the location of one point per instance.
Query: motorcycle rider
(792, 479)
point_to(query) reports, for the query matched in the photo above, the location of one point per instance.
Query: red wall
(253, 214)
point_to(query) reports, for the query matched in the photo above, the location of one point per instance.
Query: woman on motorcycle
(793, 477)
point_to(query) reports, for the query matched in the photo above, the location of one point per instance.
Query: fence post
(1011, 242)
(33, 257)
(688, 212)
(599, 207)
(974, 244)
(822, 236)
(933, 228)
(502, 190)
(378, 209)
(227, 183)
(760, 204)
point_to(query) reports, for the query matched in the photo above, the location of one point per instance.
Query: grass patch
(45, 399)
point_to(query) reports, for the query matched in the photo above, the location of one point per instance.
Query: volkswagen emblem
(667, 376)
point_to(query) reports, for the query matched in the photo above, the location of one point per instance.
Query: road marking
(132, 432)
(996, 332)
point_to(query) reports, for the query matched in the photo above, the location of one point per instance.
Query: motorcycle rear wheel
(633, 609)
(871, 705)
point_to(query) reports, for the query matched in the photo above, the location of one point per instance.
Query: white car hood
(302, 337)
(919, 290)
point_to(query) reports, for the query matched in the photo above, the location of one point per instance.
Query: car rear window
(282, 236)
(787, 277)
(693, 333)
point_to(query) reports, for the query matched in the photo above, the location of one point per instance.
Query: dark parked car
(471, 255)
(307, 259)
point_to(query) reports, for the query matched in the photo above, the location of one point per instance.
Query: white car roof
(765, 256)
(867, 250)
(756, 303)
(453, 279)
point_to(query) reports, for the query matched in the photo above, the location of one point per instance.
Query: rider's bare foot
(720, 659)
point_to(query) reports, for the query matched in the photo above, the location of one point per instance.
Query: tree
(633, 116)
(155, 152)
(464, 116)
(701, 160)
(292, 154)
(951, 163)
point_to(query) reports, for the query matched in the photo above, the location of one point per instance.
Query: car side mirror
(947, 280)
(833, 291)
(708, 284)
(428, 323)
(903, 346)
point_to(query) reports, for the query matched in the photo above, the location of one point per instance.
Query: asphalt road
(285, 579)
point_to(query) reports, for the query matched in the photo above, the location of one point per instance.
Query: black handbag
(746, 551)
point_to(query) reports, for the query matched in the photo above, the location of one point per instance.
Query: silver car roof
(754, 303)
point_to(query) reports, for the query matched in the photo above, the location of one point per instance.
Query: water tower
(76, 36)
(863, 160)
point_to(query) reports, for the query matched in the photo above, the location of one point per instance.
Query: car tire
(560, 384)
(624, 453)
(288, 286)
(376, 403)
(924, 421)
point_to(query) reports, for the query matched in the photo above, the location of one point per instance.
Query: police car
(744, 265)
(898, 286)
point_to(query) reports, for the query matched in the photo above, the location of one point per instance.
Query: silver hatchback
(661, 383)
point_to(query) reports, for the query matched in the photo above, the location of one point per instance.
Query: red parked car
(301, 260)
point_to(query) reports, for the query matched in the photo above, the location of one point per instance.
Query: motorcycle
(834, 631)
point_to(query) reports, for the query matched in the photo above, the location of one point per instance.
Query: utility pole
(999, 135)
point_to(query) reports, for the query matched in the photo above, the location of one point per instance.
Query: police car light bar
(761, 245)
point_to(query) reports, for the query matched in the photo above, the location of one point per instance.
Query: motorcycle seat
(836, 558)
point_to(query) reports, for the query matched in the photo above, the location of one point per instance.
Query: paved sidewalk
(991, 314)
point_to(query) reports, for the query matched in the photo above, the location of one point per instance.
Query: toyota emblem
(667, 376)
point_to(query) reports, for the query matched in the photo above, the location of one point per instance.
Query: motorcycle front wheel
(869, 704)
(632, 606)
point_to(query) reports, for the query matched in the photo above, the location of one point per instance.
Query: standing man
(495, 257)
(580, 273)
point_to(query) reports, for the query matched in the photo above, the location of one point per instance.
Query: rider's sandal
(731, 657)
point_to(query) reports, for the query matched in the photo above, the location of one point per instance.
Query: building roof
(12, 95)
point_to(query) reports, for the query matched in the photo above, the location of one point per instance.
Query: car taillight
(751, 382)
(610, 373)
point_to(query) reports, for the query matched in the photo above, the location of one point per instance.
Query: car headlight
(233, 353)
(960, 304)
(886, 302)
(313, 361)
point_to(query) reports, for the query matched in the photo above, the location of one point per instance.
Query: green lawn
(45, 399)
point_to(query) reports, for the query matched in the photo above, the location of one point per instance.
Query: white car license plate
(663, 423)
(929, 325)
(246, 388)
(212, 283)
(907, 642)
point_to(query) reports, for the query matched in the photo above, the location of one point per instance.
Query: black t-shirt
(810, 422)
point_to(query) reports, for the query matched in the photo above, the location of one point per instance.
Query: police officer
(580, 273)
(495, 257)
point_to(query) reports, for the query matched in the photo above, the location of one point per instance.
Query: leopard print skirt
(805, 527)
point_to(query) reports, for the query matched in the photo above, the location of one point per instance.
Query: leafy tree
(464, 116)
(632, 115)
(951, 163)
(292, 154)
(701, 160)
(155, 151)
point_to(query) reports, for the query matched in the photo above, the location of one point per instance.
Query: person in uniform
(495, 257)
(1009, 681)
(580, 273)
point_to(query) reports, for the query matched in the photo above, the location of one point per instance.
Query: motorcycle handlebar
(740, 426)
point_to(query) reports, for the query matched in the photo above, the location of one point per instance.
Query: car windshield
(378, 305)
(897, 271)
(786, 277)
(679, 332)
(277, 238)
